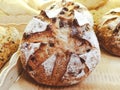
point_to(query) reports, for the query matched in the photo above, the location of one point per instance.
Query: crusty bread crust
(62, 52)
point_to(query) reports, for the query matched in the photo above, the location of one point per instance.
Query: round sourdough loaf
(59, 47)
(109, 31)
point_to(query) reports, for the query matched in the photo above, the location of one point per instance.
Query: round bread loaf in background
(9, 42)
(92, 4)
(59, 47)
(109, 31)
(99, 12)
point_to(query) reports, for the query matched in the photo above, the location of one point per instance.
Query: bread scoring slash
(61, 45)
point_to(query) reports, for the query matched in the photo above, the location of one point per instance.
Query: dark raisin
(66, 9)
(12, 42)
(80, 71)
(48, 27)
(52, 7)
(113, 12)
(42, 12)
(88, 50)
(33, 58)
(53, 20)
(82, 60)
(62, 12)
(72, 3)
(61, 24)
(76, 7)
(1, 59)
(117, 29)
(26, 45)
(71, 73)
(25, 35)
(51, 44)
(75, 22)
(109, 28)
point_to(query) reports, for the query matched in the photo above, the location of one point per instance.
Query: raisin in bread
(59, 47)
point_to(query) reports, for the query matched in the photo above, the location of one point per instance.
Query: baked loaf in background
(92, 4)
(9, 42)
(100, 11)
(109, 31)
(59, 47)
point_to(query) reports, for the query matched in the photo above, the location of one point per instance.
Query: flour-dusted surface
(49, 64)
(36, 25)
(82, 20)
(53, 13)
(114, 23)
(91, 59)
(69, 50)
(102, 78)
(90, 36)
(74, 66)
(29, 49)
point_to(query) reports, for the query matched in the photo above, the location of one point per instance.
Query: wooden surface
(106, 76)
